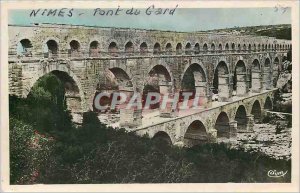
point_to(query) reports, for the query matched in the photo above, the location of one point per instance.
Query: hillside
(282, 31)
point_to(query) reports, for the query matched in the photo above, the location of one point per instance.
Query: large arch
(268, 104)
(267, 74)
(159, 81)
(241, 118)
(276, 69)
(240, 79)
(221, 82)
(195, 134)
(74, 96)
(222, 125)
(163, 137)
(194, 80)
(255, 76)
(113, 80)
(256, 111)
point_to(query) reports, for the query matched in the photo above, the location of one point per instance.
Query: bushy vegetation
(46, 148)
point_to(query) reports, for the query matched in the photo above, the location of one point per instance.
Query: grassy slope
(282, 31)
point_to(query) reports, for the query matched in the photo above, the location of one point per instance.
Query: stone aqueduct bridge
(242, 69)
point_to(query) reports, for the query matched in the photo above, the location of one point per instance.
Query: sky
(186, 20)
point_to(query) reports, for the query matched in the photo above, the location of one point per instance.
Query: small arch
(188, 48)
(205, 47)
(52, 49)
(258, 47)
(143, 48)
(268, 104)
(249, 48)
(129, 48)
(220, 47)
(169, 49)
(197, 48)
(24, 48)
(256, 111)
(212, 47)
(113, 49)
(156, 49)
(233, 47)
(94, 49)
(179, 48)
(195, 134)
(163, 137)
(222, 126)
(227, 47)
(254, 47)
(74, 46)
(241, 118)
(239, 47)
(262, 47)
(244, 47)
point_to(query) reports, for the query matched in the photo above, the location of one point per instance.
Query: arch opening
(113, 49)
(52, 49)
(129, 48)
(71, 99)
(212, 48)
(240, 79)
(194, 81)
(205, 48)
(197, 48)
(268, 104)
(24, 48)
(255, 78)
(241, 118)
(94, 49)
(179, 49)
(267, 75)
(156, 49)
(221, 82)
(188, 49)
(195, 134)
(276, 70)
(168, 49)
(143, 48)
(163, 137)
(222, 126)
(74, 49)
(256, 111)
(159, 81)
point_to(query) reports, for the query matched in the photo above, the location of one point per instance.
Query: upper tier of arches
(28, 46)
